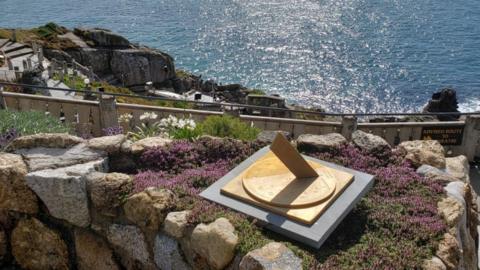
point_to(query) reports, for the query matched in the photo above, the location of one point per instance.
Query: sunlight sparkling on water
(342, 55)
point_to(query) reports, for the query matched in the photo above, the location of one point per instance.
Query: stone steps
(14, 47)
(19, 53)
(3, 42)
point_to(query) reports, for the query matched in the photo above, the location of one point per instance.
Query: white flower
(125, 118)
(148, 116)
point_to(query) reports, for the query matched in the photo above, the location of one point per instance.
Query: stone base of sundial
(300, 197)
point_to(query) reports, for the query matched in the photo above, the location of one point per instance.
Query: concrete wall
(88, 118)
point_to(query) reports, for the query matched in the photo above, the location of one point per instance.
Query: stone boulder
(129, 243)
(271, 257)
(148, 209)
(107, 191)
(433, 264)
(449, 251)
(167, 254)
(102, 37)
(459, 168)
(35, 246)
(64, 190)
(424, 152)
(215, 242)
(320, 143)
(451, 210)
(41, 158)
(50, 140)
(267, 136)
(109, 144)
(93, 252)
(140, 146)
(176, 223)
(3, 246)
(436, 174)
(370, 143)
(15, 195)
(465, 230)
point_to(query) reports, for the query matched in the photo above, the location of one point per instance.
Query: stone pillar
(471, 137)
(65, 68)
(14, 35)
(10, 64)
(3, 105)
(18, 73)
(108, 111)
(349, 125)
(50, 71)
(60, 74)
(34, 47)
(40, 55)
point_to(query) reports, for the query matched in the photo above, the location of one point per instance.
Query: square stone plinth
(323, 219)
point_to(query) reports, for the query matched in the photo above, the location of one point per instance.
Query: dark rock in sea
(444, 101)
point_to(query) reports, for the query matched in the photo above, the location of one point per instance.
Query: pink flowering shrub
(183, 154)
(397, 222)
(396, 226)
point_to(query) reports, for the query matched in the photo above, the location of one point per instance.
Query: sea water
(342, 55)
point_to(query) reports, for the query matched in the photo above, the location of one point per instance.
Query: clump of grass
(15, 124)
(257, 92)
(47, 36)
(228, 126)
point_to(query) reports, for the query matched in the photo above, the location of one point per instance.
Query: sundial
(283, 182)
(298, 196)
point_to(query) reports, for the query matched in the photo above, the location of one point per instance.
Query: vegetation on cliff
(46, 36)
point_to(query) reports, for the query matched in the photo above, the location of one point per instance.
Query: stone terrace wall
(61, 208)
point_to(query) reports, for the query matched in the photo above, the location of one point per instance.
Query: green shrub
(228, 126)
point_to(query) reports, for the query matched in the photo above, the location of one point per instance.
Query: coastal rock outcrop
(102, 37)
(444, 101)
(111, 55)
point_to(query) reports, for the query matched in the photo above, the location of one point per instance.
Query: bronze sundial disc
(270, 181)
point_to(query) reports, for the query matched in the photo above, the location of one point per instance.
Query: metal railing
(212, 105)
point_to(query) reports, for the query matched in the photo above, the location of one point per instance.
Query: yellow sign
(444, 135)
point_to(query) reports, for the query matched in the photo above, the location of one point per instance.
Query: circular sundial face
(270, 181)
